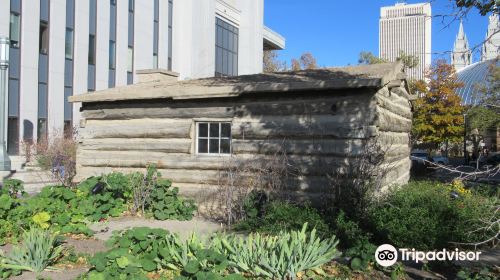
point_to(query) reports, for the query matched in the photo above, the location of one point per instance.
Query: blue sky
(336, 31)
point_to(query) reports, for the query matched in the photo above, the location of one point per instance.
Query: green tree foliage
(369, 58)
(438, 115)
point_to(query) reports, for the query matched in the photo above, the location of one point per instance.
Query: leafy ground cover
(69, 210)
(141, 251)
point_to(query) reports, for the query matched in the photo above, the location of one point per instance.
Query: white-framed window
(213, 138)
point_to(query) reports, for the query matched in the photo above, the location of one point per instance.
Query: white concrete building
(406, 28)
(67, 47)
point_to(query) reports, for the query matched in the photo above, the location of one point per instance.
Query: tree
(308, 61)
(369, 58)
(305, 62)
(271, 63)
(438, 114)
(409, 61)
(483, 6)
(296, 65)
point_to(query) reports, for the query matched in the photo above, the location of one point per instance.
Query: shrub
(40, 249)
(58, 156)
(280, 216)
(281, 256)
(13, 188)
(424, 215)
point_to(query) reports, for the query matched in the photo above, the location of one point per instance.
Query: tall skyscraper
(491, 46)
(461, 55)
(406, 28)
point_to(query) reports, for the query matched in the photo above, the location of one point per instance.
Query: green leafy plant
(281, 256)
(40, 249)
(423, 215)
(280, 216)
(42, 220)
(13, 188)
(117, 263)
(362, 255)
(483, 273)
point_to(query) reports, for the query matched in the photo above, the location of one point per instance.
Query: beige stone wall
(321, 131)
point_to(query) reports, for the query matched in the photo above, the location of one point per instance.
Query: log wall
(321, 132)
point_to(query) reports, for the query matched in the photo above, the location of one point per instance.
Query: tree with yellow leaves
(438, 114)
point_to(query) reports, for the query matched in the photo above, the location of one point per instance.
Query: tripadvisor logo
(386, 255)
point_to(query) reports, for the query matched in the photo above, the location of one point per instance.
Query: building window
(130, 60)
(91, 49)
(226, 49)
(112, 55)
(170, 23)
(14, 30)
(156, 26)
(44, 37)
(69, 43)
(213, 138)
(42, 130)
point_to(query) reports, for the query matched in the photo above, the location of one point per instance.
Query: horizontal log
(324, 147)
(138, 144)
(403, 110)
(389, 121)
(335, 105)
(297, 165)
(137, 128)
(389, 138)
(356, 127)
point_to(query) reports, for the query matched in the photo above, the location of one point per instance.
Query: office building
(61, 48)
(406, 28)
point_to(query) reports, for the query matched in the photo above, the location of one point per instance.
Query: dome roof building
(475, 78)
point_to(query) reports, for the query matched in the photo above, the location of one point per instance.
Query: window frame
(17, 43)
(69, 38)
(92, 50)
(225, 49)
(43, 40)
(208, 138)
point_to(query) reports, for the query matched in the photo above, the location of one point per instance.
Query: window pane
(155, 61)
(203, 146)
(14, 30)
(130, 5)
(112, 55)
(91, 49)
(130, 60)
(42, 129)
(44, 38)
(69, 44)
(203, 129)
(214, 146)
(225, 146)
(225, 130)
(218, 59)
(13, 136)
(214, 130)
